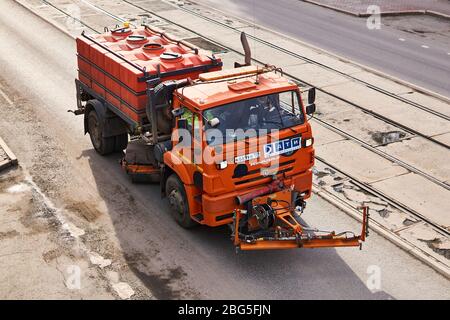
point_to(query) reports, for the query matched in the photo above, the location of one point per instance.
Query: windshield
(261, 114)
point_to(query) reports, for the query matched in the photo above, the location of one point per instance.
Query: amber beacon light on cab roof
(228, 147)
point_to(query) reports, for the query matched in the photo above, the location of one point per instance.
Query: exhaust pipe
(247, 52)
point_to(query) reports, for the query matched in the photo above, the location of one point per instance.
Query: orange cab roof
(204, 95)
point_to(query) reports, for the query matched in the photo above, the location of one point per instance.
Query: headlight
(222, 165)
(308, 142)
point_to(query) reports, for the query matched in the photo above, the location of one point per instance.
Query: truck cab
(236, 136)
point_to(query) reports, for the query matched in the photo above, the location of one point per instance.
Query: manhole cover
(383, 138)
(206, 45)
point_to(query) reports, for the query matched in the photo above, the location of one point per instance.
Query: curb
(384, 13)
(387, 234)
(29, 8)
(12, 158)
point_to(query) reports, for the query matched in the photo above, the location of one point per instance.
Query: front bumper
(217, 210)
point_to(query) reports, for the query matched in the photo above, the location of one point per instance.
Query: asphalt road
(38, 68)
(417, 58)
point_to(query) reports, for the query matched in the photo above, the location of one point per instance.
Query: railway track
(303, 58)
(364, 186)
(370, 190)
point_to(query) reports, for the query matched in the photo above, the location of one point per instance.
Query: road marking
(401, 39)
(425, 47)
(6, 97)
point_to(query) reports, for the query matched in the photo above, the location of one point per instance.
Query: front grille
(225, 216)
(262, 177)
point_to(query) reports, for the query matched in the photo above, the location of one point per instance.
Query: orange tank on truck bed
(120, 65)
(228, 147)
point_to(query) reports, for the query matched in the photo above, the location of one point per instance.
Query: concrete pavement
(130, 225)
(358, 7)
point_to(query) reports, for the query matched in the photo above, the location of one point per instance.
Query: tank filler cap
(137, 39)
(153, 46)
(121, 31)
(170, 56)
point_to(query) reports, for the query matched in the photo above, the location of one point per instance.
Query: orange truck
(228, 147)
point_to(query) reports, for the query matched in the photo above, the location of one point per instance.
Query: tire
(102, 145)
(121, 142)
(178, 202)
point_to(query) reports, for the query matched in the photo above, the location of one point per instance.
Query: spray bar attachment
(271, 222)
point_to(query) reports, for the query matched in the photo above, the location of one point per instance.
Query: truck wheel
(121, 142)
(178, 202)
(102, 145)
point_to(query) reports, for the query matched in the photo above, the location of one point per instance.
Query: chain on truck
(140, 89)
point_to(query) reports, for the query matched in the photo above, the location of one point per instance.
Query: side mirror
(182, 124)
(214, 122)
(177, 112)
(310, 109)
(312, 96)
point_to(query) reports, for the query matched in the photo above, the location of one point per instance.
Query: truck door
(191, 150)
